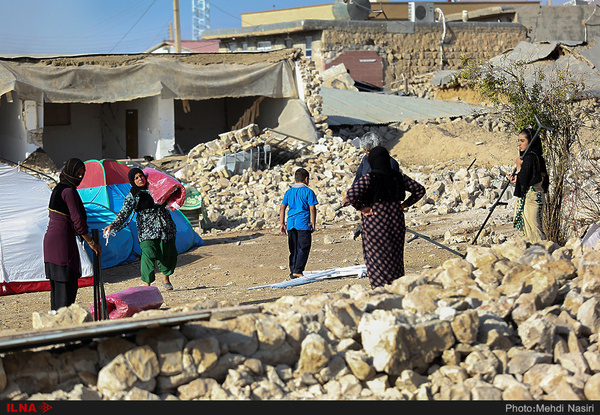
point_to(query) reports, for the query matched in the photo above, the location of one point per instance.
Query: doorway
(131, 133)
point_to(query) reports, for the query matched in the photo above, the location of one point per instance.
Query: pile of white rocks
(512, 321)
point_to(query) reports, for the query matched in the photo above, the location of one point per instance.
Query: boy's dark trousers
(299, 243)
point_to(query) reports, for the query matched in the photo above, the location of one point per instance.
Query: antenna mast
(200, 17)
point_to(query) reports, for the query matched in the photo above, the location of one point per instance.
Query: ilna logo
(27, 407)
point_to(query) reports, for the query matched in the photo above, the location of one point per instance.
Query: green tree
(519, 92)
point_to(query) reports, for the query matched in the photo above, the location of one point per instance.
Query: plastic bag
(130, 301)
(165, 188)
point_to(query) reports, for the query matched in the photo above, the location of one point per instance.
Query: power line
(138, 20)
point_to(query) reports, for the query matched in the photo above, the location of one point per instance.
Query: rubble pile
(311, 82)
(207, 155)
(512, 321)
(251, 200)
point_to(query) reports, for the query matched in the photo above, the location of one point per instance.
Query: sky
(112, 26)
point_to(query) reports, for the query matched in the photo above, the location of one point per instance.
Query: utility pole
(177, 27)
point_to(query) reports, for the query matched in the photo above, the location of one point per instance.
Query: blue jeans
(299, 243)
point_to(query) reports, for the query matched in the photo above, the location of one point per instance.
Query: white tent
(23, 221)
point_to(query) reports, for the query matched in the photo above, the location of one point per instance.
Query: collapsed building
(133, 106)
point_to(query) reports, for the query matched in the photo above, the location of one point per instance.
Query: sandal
(167, 286)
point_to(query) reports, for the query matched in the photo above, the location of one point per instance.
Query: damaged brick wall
(406, 55)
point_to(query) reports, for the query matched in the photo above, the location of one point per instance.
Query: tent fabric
(103, 191)
(23, 222)
(114, 79)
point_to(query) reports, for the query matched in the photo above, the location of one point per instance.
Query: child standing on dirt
(301, 221)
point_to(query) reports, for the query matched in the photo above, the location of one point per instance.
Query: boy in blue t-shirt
(301, 221)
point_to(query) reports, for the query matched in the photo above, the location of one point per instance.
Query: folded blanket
(130, 301)
(165, 188)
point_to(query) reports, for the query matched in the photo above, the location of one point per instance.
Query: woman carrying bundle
(156, 230)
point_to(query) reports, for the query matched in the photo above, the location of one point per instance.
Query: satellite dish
(351, 9)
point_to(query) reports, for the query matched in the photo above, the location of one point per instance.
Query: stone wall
(407, 53)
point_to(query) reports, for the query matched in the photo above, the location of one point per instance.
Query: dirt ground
(229, 265)
(455, 144)
(232, 263)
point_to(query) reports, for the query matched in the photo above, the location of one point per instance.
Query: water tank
(351, 9)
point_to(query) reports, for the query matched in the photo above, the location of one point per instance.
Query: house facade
(404, 44)
(133, 106)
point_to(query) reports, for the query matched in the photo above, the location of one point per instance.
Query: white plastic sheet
(23, 222)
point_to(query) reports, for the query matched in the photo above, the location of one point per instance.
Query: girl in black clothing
(531, 185)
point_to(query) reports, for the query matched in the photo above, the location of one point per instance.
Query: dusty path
(230, 263)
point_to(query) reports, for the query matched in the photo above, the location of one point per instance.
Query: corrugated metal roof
(343, 107)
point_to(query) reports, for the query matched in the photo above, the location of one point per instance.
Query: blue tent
(103, 192)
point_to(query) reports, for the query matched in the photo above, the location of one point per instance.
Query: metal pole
(100, 309)
(435, 243)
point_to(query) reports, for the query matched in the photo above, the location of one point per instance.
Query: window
(308, 48)
(57, 114)
(232, 47)
(264, 45)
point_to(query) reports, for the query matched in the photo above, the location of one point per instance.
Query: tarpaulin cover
(114, 78)
(127, 302)
(23, 222)
(103, 191)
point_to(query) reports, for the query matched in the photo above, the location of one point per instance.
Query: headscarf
(68, 175)
(387, 184)
(131, 175)
(145, 199)
(67, 179)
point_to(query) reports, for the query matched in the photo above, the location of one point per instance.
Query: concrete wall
(323, 12)
(544, 23)
(13, 134)
(382, 11)
(81, 138)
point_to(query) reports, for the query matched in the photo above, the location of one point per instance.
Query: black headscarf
(387, 184)
(67, 179)
(145, 199)
(68, 175)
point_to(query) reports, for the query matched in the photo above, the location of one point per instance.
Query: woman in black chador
(379, 195)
